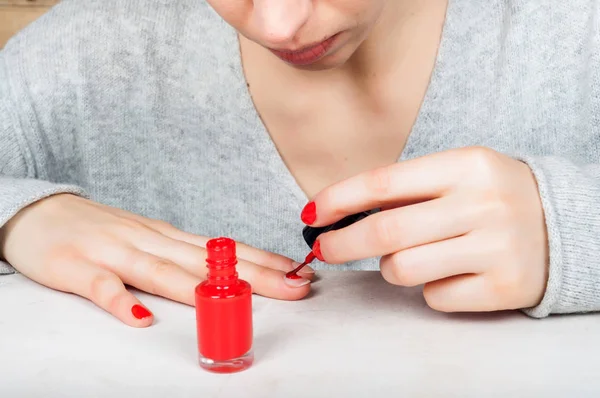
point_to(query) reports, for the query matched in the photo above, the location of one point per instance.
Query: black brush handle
(311, 234)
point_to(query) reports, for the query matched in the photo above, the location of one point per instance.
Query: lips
(306, 55)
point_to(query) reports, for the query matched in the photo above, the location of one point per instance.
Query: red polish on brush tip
(293, 274)
(224, 312)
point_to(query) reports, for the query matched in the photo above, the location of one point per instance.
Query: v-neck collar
(267, 149)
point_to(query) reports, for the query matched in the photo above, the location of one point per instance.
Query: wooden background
(16, 14)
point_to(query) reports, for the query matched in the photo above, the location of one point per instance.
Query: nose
(280, 20)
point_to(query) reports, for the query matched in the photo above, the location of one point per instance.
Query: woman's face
(308, 34)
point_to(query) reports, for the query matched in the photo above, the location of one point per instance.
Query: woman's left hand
(466, 223)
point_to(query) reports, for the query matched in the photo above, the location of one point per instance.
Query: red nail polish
(309, 213)
(317, 250)
(140, 312)
(224, 312)
(293, 274)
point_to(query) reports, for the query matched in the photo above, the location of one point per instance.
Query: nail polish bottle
(311, 234)
(224, 312)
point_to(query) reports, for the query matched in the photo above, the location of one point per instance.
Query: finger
(103, 288)
(193, 258)
(154, 268)
(265, 281)
(249, 253)
(410, 181)
(158, 276)
(398, 229)
(439, 260)
(273, 283)
(464, 293)
(271, 260)
(190, 257)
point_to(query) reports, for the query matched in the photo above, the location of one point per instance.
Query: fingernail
(305, 270)
(296, 281)
(309, 213)
(140, 312)
(317, 250)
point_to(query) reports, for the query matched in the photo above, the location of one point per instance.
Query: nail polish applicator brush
(310, 235)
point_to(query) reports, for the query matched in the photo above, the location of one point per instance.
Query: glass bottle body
(224, 324)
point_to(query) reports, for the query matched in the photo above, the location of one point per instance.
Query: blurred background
(16, 14)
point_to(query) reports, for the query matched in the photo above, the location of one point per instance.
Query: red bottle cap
(221, 249)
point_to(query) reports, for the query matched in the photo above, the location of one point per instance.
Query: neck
(405, 29)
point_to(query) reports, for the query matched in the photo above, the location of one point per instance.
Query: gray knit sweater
(142, 104)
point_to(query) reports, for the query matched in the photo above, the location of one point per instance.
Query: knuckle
(484, 161)
(159, 268)
(384, 231)
(490, 206)
(115, 301)
(129, 227)
(503, 211)
(255, 275)
(378, 182)
(59, 254)
(506, 246)
(507, 282)
(492, 202)
(270, 258)
(434, 299)
(331, 201)
(403, 270)
(104, 288)
(159, 272)
(479, 154)
(161, 225)
(330, 196)
(114, 253)
(263, 273)
(52, 267)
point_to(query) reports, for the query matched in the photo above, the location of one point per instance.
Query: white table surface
(356, 336)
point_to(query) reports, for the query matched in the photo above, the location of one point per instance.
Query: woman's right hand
(78, 246)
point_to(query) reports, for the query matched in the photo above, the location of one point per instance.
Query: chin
(321, 65)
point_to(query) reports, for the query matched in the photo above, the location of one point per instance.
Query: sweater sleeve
(19, 183)
(570, 197)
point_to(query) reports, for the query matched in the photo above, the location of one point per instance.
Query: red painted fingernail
(309, 213)
(317, 250)
(140, 312)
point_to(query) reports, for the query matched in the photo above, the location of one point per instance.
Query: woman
(130, 133)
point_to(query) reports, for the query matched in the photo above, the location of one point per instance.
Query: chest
(327, 131)
(327, 139)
